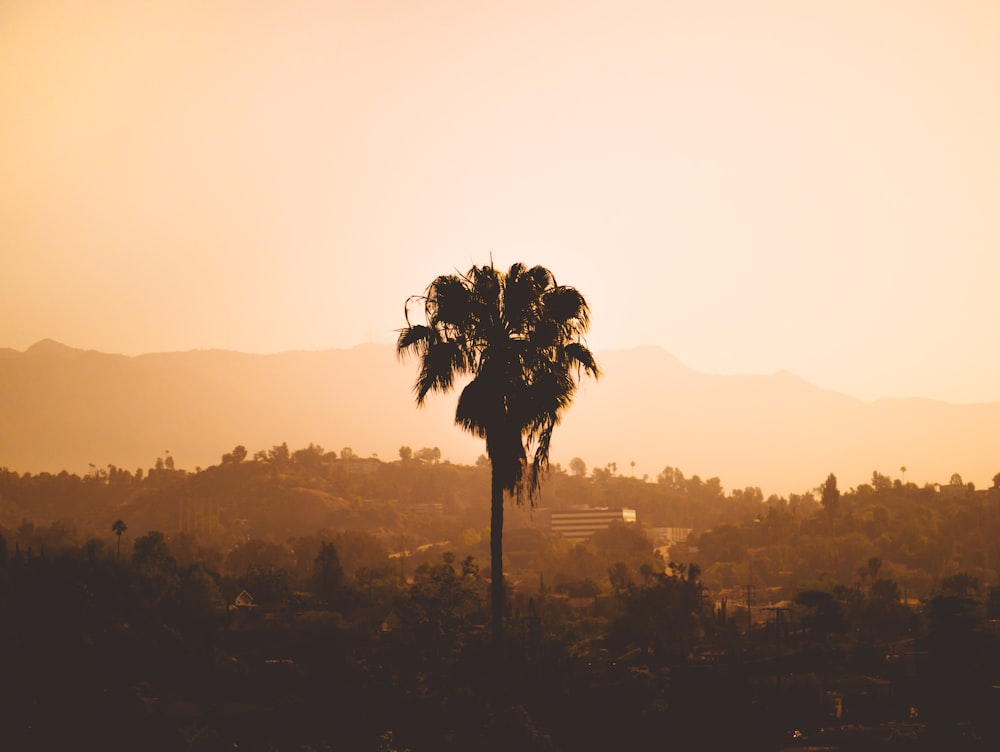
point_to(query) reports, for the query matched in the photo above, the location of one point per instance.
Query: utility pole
(777, 641)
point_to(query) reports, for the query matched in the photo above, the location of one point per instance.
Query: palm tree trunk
(497, 592)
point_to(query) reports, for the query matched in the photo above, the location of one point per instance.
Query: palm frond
(567, 306)
(540, 459)
(578, 354)
(449, 302)
(406, 306)
(441, 362)
(543, 279)
(413, 340)
(478, 407)
(520, 301)
(486, 282)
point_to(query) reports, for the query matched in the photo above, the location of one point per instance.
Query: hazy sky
(755, 186)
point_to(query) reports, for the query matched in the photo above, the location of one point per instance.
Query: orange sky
(755, 186)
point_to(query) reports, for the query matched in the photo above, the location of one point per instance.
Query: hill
(66, 408)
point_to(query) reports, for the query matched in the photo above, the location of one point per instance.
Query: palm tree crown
(118, 527)
(518, 335)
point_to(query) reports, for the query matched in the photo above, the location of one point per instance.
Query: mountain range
(67, 408)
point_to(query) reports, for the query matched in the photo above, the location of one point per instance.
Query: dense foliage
(310, 599)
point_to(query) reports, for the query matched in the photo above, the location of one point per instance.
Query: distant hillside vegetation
(64, 408)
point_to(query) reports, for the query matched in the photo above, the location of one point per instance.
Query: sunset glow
(538, 375)
(753, 186)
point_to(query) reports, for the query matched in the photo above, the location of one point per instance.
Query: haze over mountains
(65, 408)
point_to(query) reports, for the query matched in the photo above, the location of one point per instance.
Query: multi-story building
(580, 524)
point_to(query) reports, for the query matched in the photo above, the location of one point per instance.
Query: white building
(580, 524)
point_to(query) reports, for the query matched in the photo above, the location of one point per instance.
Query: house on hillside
(242, 602)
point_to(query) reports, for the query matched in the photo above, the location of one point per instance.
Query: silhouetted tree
(119, 527)
(310, 458)
(235, 457)
(328, 575)
(884, 615)
(428, 454)
(199, 604)
(881, 482)
(665, 615)
(438, 604)
(823, 614)
(279, 454)
(830, 496)
(518, 334)
(874, 566)
(151, 552)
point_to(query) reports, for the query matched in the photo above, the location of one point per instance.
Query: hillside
(65, 408)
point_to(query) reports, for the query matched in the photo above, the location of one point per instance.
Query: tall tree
(328, 574)
(118, 527)
(830, 496)
(518, 335)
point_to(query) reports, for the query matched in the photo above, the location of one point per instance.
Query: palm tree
(519, 337)
(118, 527)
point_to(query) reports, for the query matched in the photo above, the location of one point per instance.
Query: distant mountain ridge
(66, 408)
